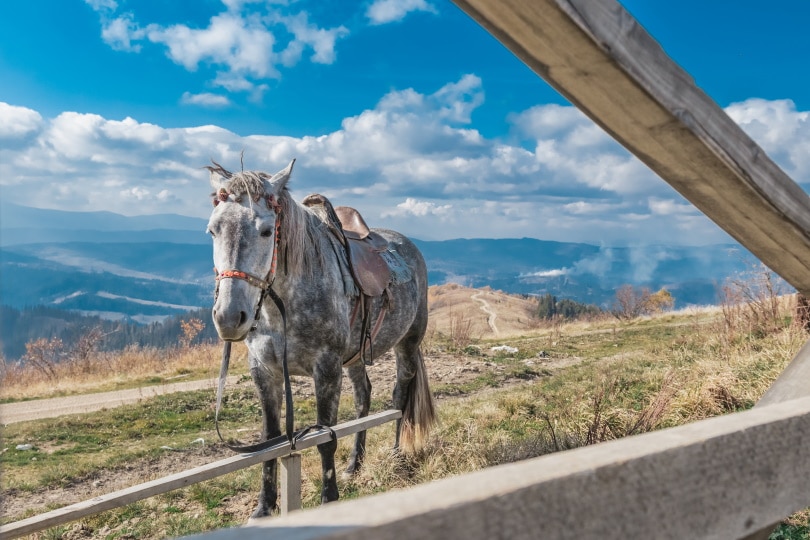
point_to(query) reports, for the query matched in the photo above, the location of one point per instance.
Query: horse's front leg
(328, 374)
(270, 397)
(362, 402)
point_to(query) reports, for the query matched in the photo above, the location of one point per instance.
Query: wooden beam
(725, 477)
(793, 382)
(600, 58)
(184, 479)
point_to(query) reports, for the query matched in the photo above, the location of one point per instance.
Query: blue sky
(406, 109)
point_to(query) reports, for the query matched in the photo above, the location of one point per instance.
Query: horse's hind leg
(362, 402)
(412, 396)
(406, 352)
(270, 398)
(328, 377)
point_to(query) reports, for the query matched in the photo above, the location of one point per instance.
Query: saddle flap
(368, 267)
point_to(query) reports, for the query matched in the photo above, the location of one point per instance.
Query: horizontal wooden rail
(184, 479)
(600, 58)
(724, 477)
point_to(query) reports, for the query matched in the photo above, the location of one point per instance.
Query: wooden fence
(728, 477)
(290, 479)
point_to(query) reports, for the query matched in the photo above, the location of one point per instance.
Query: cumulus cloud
(246, 44)
(569, 147)
(120, 33)
(387, 11)
(781, 130)
(412, 162)
(18, 122)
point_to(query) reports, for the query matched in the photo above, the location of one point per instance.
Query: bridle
(266, 286)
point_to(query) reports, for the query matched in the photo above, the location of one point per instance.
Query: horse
(264, 241)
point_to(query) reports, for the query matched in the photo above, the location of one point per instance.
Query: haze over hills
(146, 268)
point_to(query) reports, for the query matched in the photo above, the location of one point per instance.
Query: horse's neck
(319, 268)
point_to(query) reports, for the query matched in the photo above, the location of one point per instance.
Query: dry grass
(103, 371)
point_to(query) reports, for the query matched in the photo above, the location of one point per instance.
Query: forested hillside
(21, 326)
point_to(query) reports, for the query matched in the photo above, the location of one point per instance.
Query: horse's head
(243, 225)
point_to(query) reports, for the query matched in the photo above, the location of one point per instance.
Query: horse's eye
(267, 233)
(209, 231)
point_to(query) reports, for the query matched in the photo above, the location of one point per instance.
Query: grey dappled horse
(260, 236)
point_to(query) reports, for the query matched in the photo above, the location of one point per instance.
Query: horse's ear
(278, 181)
(217, 179)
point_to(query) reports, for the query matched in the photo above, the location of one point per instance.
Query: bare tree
(630, 302)
(44, 354)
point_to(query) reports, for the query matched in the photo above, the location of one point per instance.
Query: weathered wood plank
(183, 479)
(290, 483)
(793, 382)
(724, 477)
(604, 62)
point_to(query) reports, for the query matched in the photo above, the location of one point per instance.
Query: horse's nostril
(242, 318)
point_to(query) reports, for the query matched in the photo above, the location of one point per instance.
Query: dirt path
(24, 411)
(491, 315)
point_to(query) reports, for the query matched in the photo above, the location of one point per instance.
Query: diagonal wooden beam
(600, 58)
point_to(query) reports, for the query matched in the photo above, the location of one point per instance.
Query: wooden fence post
(290, 483)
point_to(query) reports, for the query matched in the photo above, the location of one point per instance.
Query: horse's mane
(300, 251)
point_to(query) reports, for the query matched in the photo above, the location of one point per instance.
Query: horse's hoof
(260, 512)
(252, 520)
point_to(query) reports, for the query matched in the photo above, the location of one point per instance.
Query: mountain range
(146, 268)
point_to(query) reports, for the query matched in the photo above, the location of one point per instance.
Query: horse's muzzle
(231, 324)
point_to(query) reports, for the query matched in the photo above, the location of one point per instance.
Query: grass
(108, 371)
(627, 378)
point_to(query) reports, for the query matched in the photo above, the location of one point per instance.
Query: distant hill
(484, 313)
(114, 266)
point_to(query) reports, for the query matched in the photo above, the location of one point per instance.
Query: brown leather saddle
(371, 273)
(363, 246)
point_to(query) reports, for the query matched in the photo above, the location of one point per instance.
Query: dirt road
(24, 411)
(491, 315)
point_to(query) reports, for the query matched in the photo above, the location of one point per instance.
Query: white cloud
(120, 32)
(387, 11)
(102, 5)
(410, 163)
(205, 99)
(322, 41)
(781, 130)
(670, 207)
(418, 208)
(243, 45)
(246, 44)
(18, 122)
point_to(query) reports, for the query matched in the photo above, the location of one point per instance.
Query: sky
(405, 109)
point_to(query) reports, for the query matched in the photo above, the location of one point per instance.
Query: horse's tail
(419, 414)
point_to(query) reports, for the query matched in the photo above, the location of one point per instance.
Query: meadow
(569, 384)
